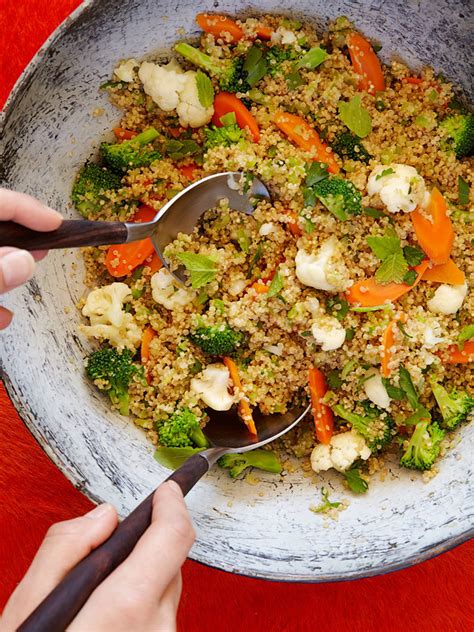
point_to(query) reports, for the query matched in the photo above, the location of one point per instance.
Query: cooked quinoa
(282, 293)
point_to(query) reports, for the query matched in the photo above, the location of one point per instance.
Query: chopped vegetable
(354, 480)
(220, 26)
(306, 137)
(182, 429)
(388, 341)
(436, 236)
(366, 64)
(255, 65)
(463, 191)
(276, 285)
(124, 134)
(245, 411)
(461, 356)
(445, 273)
(205, 89)
(467, 333)
(355, 116)
(313, 58)
(225, 136)
(261, 459)
(202, 270)
(423, 446)
(172, 458)
(218, 340)
(376, 426)
(406, 384)
(326, 504)
(189, 171)
(455, 406)
(132, 153)
(91, 183)
(226, 102)
(323, 417)
(349, 146)
(339, 196)
(148, 334)
(458, 132)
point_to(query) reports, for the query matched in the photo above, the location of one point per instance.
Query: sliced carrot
(244, 409)
(306, 137)
(264, 32)
(295, 230)
(413, 80)
(124, 134)
(154, 263)
(323, 416)
(369, 293)
(365, 63)
(175, 132)
(435, 236)
(453, 355)
(388, 340)
(260, 287)
(189, 171)
(445, 273)
(147, 336)
(121, 259)
(226, 102)
(220, 26)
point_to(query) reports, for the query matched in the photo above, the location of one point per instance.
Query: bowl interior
(53, 122)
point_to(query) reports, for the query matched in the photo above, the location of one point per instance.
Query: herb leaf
(337, 307)
(413, 255)
(463, 192)
(392, 270)
(202, 269)
(383, 247)
(177, 149)
(255, 65)
(398, 394)
(315, 172)
(410, 277)
(205, 89)
(420, 414)
(355, 116)
(355, 481)
(313, 58)
(385, 172)
(406, 384)
(334, 379)
(294, 80)
(374, 212)
(255, 259)
(172, 458)
(326, 503)
(243, 240)
(467, 333)
(276, 285)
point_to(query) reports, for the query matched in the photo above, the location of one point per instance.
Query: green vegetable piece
(455, 406)
(423, 447)
(130, 154)
(458, 133)
(225, 136)
(339, 196)
(420, 414)
(383, 247)
(376, 213)
(349, 146)
(376, 426)
(243, 240)
(315, 172)
(410, 277)
(338, 307)
(385, 172)
(177, 149)
(255, 65)
(218, 340)
(90, 188)
(398, 394)
(202, 269)
(401, 327)
(255, 259)
(313, 58)
(413, 255)
(463, 192)
(182, 429)
(294, 80)
(406, 384)
(276, 285)
(277, 55)
(392, 270)
(334, 379)
(373, 308)
(355, 116)
(172, 458)
(205, 89)
(467, 333)
(261, 459)
(326, 504)
(356, 483)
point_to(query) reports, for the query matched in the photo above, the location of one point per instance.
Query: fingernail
(175, 487)
(99, 511)
(51, 210)
(17, 267)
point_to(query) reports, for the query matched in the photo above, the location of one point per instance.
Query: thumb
(16, 267)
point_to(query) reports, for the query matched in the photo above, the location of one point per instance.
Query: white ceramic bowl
(265, 530)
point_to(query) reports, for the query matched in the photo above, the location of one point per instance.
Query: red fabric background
(435, 595)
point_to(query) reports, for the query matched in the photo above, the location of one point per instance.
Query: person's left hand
(18, 266)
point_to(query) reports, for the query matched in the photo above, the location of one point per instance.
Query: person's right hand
(142, 594)
(17, 266)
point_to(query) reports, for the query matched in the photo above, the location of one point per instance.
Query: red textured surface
(433, 596)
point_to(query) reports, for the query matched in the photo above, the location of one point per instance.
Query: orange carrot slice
(295, 230)
(245, 411)
(445, 273)
(323, 416)
(220, 26)
(369, 293)
(260, 287)
(148, 334)
(460, 356)
(365, 63)
(124, 134)
(413, 80)
(264, 32)
(226, 102)
(121, 259)
(435, 236)
(388, 340)
(306, 137)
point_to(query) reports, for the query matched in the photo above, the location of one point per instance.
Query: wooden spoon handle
(71, 233)
(60, 607)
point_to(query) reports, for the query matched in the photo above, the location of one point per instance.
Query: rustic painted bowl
(50, 127)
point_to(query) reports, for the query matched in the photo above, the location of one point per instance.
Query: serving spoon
(226, 434)
(179, 215)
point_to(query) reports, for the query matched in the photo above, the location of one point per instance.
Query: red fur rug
(436, 595)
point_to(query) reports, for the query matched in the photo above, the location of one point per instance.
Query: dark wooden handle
(71, 233)
(60, 607)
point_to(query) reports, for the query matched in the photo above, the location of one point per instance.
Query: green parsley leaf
(392, 270)
(276, 285)
(385, 172)
(410, 277)
(406, 384)
(255, 259)
(374, 212)
(383, 247)
(337, 307)
(177, 149)
(413, 255)
(467, 333)
(350, 333)
(255, 65)
(202, 269)
(356, 483)
(205, 89)
(294, 80)
(326, 504)
(463, 192)
(315, 172)
(313, 58)
(243, 240)
(334, 379)
(355, 116)
(398, 394)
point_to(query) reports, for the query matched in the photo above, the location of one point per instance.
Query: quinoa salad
(351, 289)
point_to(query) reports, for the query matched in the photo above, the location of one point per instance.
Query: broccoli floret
(339, 196)
(348, 145)
(423, 447)
(114, 370)
(131, 153)
(261, 459)
(218, 340)
(276, 55)
(376, 426)
(89, 187)
(182, 429)
(454, 406)
(225, 136)
(458, 131)
(229, 72)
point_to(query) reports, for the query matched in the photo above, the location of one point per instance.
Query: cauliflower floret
(108, 319)
(266, 229)
(401, 189)
(125, 71)
(343, 450)
(431, 335)
(164, 291)
(213, 387)
(283, 36)
(376, 391)
(173, 89)
(323, 271)
(329, 332)
(447, 299)
(189, 109)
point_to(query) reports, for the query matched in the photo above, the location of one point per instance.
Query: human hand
(142, 594)
(17, 266)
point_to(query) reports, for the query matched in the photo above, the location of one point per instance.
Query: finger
(65, 544)
(24, 209)
(39, 255)
(5, 317)
(169, 603)
(16, 267)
